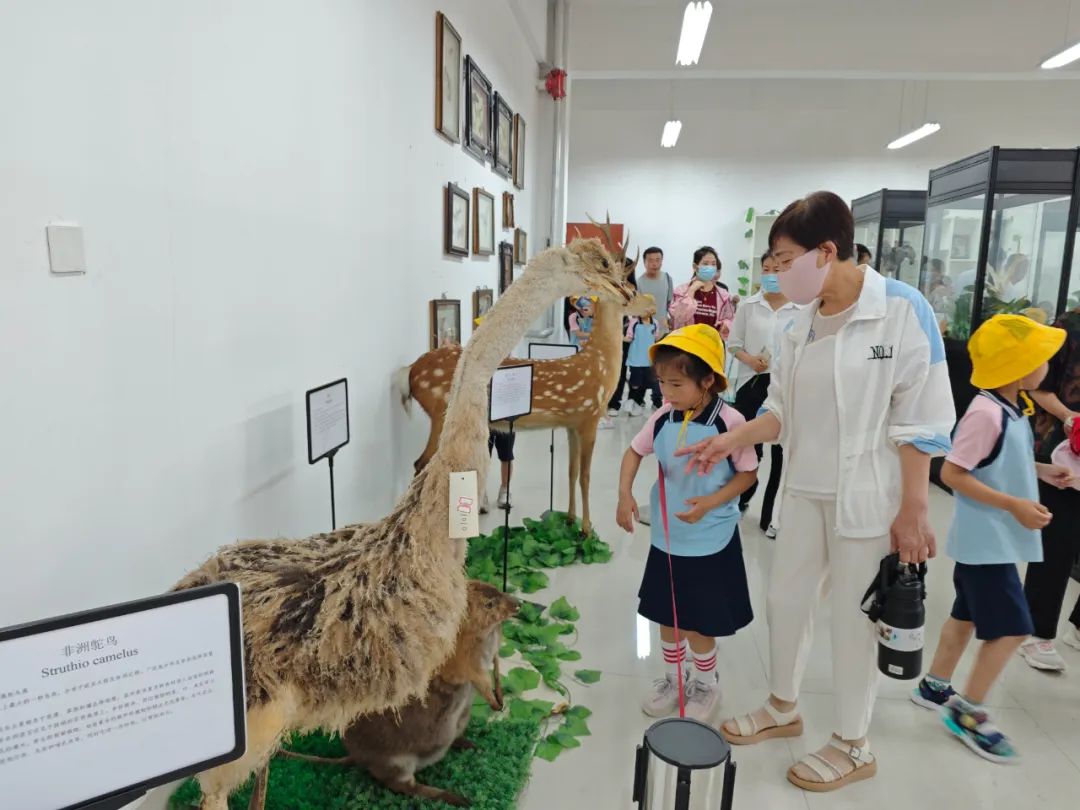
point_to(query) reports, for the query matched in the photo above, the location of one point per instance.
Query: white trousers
(811, 560)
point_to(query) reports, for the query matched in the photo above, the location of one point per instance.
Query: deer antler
(605, 229)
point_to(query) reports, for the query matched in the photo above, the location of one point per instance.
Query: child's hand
(626, 513)
(1055, 475)
(699, 507)
(1030, 514)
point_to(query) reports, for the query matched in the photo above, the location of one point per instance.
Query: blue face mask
(706, 272)
(770, 283)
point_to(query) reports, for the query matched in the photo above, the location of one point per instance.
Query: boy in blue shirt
(996, 525)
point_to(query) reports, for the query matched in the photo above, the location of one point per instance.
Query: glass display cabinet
(890, 223)
(1000, 237)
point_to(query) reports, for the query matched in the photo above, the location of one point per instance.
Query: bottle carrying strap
(671, 580)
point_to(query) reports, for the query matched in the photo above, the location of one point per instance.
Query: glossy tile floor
(920, 764)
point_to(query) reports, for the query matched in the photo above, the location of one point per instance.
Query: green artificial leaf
(563, 610)
(506, 650)
(587, 675)
(529, 613)
(534, 581)
(575, 726)
(529, 545)
(569, 655)
(743, 265)
(519, 680)
(743, 280)
(565, 740)
(578, 711)
(750, 214)
(549, 750)
(749, 233)
(565, 629)
(532, 710)
(481, 710)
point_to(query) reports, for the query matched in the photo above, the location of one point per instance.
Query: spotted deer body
(358, 621)
(571, 392)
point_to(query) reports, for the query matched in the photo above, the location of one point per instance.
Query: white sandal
(832, 778)
(788, 724)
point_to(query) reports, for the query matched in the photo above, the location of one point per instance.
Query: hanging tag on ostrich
(464, 505)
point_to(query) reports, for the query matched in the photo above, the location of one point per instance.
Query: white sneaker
(702, 698)
(771, 533)
(663, 698)
(1040, 654)
(635, 409)
(613, 412)
(504, 499)
(1072, 637)
(605, 424)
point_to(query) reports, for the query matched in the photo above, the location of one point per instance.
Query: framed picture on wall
(521, 246)
(483, 223)
(508, 210)
(506, 266)
(519, 152)
(447, 79)
(504, 137)
(456, 221)
(482, 300)
(961, 246)
(477, 111)
(445, 323)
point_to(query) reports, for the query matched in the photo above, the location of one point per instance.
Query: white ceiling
(969, 39)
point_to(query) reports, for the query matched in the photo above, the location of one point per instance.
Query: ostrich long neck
(467, 407)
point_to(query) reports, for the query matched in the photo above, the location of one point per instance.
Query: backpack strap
(995, 451)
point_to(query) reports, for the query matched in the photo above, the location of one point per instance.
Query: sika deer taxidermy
(570, 393)
(358, 621)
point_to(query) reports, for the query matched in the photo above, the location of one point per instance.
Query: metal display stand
(314, 425)
(509, 399)
(551, 351)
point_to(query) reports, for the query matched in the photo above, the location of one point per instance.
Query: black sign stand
(115, 802)
(509, 419)
(329, 454)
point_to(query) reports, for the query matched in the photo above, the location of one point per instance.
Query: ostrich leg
(573, 441)
(433, 440)
(258, 793)
(587, 442)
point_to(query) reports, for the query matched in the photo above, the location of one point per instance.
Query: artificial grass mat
(491, 776)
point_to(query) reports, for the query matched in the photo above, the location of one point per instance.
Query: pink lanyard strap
(671, 579)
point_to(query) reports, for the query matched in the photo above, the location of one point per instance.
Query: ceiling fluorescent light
(695, 23)
(1065, 57)
(915, 135)
(671, 134)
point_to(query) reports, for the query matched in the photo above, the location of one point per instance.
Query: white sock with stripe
(673, 656)
(705, 668)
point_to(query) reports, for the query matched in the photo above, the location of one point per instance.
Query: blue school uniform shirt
(644, 335)
(981, 534)
(581, 323)
(660, 436)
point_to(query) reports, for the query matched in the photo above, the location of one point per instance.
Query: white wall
(763, 143)
(261, 187)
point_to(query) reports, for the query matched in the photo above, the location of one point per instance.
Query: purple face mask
(803, 280)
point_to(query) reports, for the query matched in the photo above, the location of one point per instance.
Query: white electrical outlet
(66, 253)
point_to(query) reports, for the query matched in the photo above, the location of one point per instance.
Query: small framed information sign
(327, 419)
(552, 351)
(510, 396)
(97, 708)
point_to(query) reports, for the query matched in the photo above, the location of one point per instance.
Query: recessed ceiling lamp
(1068, 54)
(915, 135)
(671, 134)
(695, 24)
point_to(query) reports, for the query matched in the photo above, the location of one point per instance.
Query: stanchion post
(506, 519)
(333, 505)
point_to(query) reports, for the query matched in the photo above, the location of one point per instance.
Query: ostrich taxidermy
(357, 621)
(571, 392)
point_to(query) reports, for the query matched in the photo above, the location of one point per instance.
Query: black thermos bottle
(902, 621)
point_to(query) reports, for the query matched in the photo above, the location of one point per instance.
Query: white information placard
(511, 393)
(327, 419)
(551, 351)
(131, 696)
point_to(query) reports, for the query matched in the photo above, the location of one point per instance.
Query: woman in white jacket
(860, 400)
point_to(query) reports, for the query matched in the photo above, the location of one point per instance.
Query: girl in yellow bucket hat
(996, 525)
(696, 556)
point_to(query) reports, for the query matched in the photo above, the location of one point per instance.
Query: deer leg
(588, 443)
(265, 725)
(400, 778)
(432, 442)
(573, 440)
(461, 744)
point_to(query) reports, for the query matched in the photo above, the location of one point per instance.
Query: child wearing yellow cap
(992, 471)
(711, 594)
